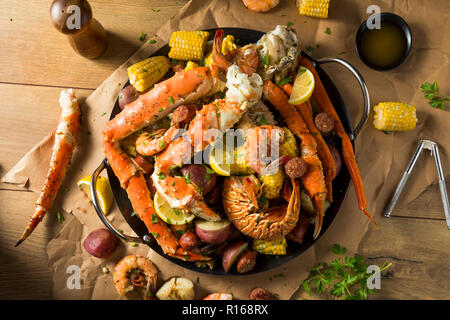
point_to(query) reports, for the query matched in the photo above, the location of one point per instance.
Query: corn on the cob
(273, 247)
(289, 145)
(228, 44)
(146, 73)
(190, 65)
(394, 116)
(209, 60)
(313, 8)
(240, 166)
(188, 45)
(272, 184)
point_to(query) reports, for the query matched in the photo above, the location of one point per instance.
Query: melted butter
(383, 47)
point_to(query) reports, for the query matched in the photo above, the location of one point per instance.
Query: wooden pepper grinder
(74, 18)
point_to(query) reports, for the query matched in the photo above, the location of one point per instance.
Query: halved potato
(176, 288)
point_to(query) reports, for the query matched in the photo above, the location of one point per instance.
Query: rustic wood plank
(53, 62)
(418, 251)
(24, 272)
(29, 113)
(428, 205)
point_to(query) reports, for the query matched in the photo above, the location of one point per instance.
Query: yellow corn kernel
(270, 247)
(209, 60)
(191, 65)
(188, 45)
(394, 116)
(240, 166)
(228, 44)
(313, 8)
(146, 73)
(272, 184)
(289, 145)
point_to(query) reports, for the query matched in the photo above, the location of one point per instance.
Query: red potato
(100, 243)
(337, 158)
(214, 195)
(213, 232)
(189, 240)
(231, 253)
(298, 233)
(127, 95)
(197, 174)
(246, 262)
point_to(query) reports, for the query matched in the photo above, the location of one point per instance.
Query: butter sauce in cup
(385, 48)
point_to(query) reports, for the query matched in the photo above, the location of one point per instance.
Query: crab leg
(325, 156)
(313, 180)
(163, 98)
(64, 145)
(325, 105)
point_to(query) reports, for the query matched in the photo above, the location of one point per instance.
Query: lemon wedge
(104, 193)
(218, 161)
(169, 214)
(303, 86)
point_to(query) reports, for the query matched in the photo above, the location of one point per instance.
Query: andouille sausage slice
(246, 262)
(324, 122)
(184, 113)
(295, 167)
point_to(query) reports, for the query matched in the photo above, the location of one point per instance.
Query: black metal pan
(264, 263)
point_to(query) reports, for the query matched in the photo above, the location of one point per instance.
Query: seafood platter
(230, 150)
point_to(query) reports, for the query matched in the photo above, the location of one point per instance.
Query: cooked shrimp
(134, 271)
(260, 5)
(63, 147)
(219, 296)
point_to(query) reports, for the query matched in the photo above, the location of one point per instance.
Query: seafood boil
(221, 151)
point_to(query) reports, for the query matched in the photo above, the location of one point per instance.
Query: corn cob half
(190, 65)
(239, 165)
(146, 73)
(188, 45)
(270, 247)
(289, 145)
(313, 8)
(394, 116)
(272, 184)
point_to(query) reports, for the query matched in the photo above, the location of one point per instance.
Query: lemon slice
(218, 161)
(104, 193)
(169, 214)
(303, 86)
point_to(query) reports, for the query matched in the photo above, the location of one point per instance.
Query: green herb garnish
(431, 91)
(60, 217)
(154, 218)
(152, 41)
(309, 48)
(283, 81)
(171, 100)
(133, 214)
(262, 121)
(328, 30)
(161, 175)
(265, 60)
(142, 36)
(289, 23)
(344, 277)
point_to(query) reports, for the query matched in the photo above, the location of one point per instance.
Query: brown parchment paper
(381, 158)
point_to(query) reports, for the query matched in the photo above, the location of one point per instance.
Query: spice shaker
(74, 19)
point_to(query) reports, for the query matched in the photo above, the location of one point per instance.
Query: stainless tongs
(433, 147)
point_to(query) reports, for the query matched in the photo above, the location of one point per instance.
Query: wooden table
(36, 62)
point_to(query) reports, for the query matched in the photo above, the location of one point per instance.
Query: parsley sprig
(345, 277)
(431, 91)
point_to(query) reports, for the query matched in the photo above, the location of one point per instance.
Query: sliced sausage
(324, 122)
(260, 294)
(184, 113)
(246, 262)
(295, 167)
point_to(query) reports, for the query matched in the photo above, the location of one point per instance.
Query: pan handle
(364, 89)
(145, 239)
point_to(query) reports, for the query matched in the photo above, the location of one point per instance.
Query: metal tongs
(433, 147)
